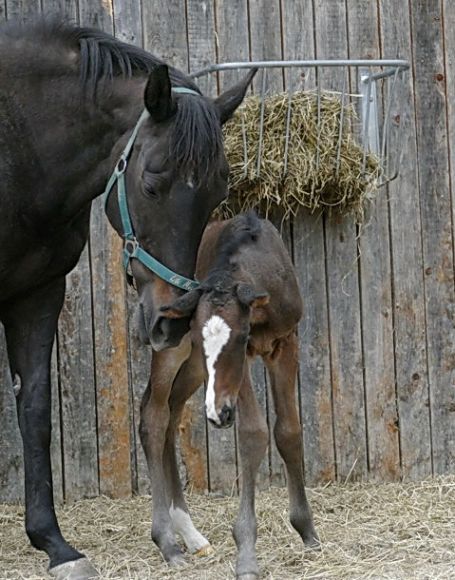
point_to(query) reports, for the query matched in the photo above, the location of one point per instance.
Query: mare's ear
(228, 101)
(248, 296)
(184, 306)
(158, 96)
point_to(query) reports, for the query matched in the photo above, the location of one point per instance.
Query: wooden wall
(377, 374)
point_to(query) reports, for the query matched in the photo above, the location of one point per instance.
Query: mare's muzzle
(167, 332)
(226, 418)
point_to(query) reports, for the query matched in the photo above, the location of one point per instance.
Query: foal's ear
(228, 101)
(158, 96)
(248, 296)
(184, 306)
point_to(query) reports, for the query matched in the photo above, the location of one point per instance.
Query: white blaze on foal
(215, 334)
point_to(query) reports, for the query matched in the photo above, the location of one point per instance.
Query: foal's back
(262, 261)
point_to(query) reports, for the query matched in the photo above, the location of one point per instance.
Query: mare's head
(222, 314)
(177, 175)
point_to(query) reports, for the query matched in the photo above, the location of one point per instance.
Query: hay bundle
(311, 178)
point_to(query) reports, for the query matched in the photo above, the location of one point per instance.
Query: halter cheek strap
(131, 247)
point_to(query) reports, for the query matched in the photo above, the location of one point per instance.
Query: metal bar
(318, 120)
(366, 119)
(401, 64)
(245, 147)
(340, 134)
(288, 125)
(261, 122)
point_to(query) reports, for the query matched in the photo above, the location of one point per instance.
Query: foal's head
(221, 322)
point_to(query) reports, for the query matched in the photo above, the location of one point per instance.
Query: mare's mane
(196, 139)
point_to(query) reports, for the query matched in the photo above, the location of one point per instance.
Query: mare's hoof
(313, 543)
(207, 550)
(75, 570)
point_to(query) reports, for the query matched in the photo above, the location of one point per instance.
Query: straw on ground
(369, 531)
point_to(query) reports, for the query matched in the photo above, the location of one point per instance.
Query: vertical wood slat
(433, 168)
(222, 463)
(309, 261)
(407, 264)
(23, 10)
(11, 459)
(64, 8)
(342, 281)
(128, 28)
(266, 44)
(110, 341)
(376, 288)
(449, 44)
(77, 385)
(233, 45)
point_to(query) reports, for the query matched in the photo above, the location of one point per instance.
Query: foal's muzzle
(225, 418)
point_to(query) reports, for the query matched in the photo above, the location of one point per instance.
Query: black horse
(69, 100)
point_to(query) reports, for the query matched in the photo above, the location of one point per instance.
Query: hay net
(312, 147)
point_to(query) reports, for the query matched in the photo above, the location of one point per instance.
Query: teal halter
(131, 247)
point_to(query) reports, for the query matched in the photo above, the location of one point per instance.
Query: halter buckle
(121, 166)
(130, 246)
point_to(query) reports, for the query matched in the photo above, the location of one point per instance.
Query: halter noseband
(131, 246)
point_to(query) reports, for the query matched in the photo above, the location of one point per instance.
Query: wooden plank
(2, 10)
(110, 326)
(23, 10)
(77, 385)
(343, 283)
(139, 357)
(435, 204)
(11, 459)
(376, 289)
(266, 44)
(407, 264)
(449, 44)
(63, 8)
(128, 28)
(309, 260)
(221, 444)
(165, 31)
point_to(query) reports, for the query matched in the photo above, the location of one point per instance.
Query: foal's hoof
(75, 570)
(177, 559)
(247, 577)
(207, 550)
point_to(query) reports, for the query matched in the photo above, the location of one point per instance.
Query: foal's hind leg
(282, 365)
(253, 438)
(188, 380)
(30, 325)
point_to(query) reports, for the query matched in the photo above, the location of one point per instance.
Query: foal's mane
(241, 230)
(196, 140)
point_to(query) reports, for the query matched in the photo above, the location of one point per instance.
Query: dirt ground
(393, 531)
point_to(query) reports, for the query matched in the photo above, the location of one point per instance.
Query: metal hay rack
(376, 89)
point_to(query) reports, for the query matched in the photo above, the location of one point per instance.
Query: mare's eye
(150, 185)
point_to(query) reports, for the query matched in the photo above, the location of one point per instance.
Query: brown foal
(249, 304)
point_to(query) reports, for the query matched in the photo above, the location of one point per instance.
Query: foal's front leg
(282, 366)
(189, 378)
(155, 417)
(253, 438)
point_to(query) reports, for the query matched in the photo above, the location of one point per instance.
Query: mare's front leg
(282, 365)
(30, 325)
(253, 438)
(189, 378)
(154, 425)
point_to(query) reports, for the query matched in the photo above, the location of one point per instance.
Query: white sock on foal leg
(182, 524)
